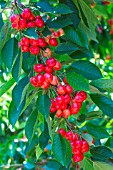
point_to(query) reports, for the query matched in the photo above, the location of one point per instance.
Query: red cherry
(31, 25)
(85, 146)
(45, 85)
(48, 69)
(60, 99)
(80, 96)
(15, 25)
(51, 62)
(69, 135)
(72, 144)
(57, 66)
(58, 106)
(64, 106)
(33, 81)
(75, 136)
(33, 42)
(69, 89)
(75, 108)
(66, 113)
(40, 79)
(48, 77)
(47, 52)
(78, 144)
(15, 18)
(59, 113)
(55, 81)
(26, 13)
(106, 3)
(41, 42)
(52, 103)
(67, 98)
(53, 42)
(32, 17)
(62, 132)
(65, 81)
(52, 109)
(25, 48)
(61, 89)
(38, 17)
(22, 24)
(34, 50)
(25, 41)
(78, 158)
(39, 68)
(76, 151)
(39, 23)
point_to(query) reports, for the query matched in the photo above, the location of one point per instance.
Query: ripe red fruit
(38, 17)
(59, 113)
(33, 81)
(64, 106)
(52, 109)
(75, 108)
(25, 48)
(47, 52)
(60, 99)
(78, 158)
(33, 42)
(57, 65)
(51, 62)
(25, 41)
(76, 151)
(34, 50)
(66, 113)
(40, 79)
(78, 144)
(80, 96)
(62, 132)
(32, 17)
(26, 13)
(22, 24)
(48, 69)
(61, 89)
(67, 98)
(65, 81)
(48, 77)
(39, 68)
(69, 135)
(55, 81)
(58, 106)
(69, 89)
(75, 136)
(85, 146)
(41, 42)
(15, 25)
(39, 23)
(106, 3)
(15, 18)
(45, 85)
(31, 25)
(53, 42)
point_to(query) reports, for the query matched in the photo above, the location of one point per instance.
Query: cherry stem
(71, 127)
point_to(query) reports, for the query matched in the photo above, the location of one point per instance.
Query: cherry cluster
(45, 78)
(79, 146)
(65, 104)
(26, 20)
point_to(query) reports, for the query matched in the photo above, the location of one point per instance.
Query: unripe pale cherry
(59, 113)
(55, 81)
(47, 52)
(66, 113)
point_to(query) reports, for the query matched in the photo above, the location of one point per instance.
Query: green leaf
(9, 52)
(32, 145)
(77, 36)
(1, 21)
(87, 69)
(104, 103)
(53, 165)
(16, 69)
(14, 113)
(18, 91)
(104, 84)
(101, 153)
(62, 9)
(97, 131)
(44, 6)
(6, 86)
(87, 164)
(66, 48)
(60, 22)
(38, 152)
(94, 115)
(31, 33)
(62, 150)
(43, 105)
(77, 81)
(81, 53)
(102, 166)
(31, 125)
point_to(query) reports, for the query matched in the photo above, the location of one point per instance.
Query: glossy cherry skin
(41, 42)
(65, 80)
(15, 18)
(33, 81)
(59, 113)
(67, 98)
(57, 66)
(64, 106)
(61, 89)
(78, 144)
(53, 42)
(62, 132)
(31, 25)
(32, 17)
(48, 77)
(55, 81)
(51, 62)
(85, 146)
(69, 135)
(52, 109)
(78, 157)
(76, 151)
(25, 48)
(48, 69)
(39, 23)
(40, 79)
(45, 85)
(80, 96)
(58, 106)
(75, 136)
(15, 25)
(60, 99)
(69, 89)
(34, 50)
(22, 24)
(33, 42)
(39, 68)
(26, 13)
(66, 113)
(25, 41)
